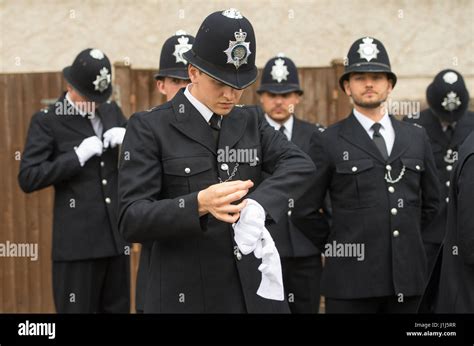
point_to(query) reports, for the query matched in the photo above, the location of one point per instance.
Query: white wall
(422, 37)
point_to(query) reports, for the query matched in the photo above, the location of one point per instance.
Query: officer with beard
(447, 122)
(381, 178)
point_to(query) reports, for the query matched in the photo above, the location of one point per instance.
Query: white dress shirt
(386, 130)
(288, 125)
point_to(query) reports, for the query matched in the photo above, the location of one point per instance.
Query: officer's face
(170, 86)
(279, 106)
(218, 97)
(368, 90)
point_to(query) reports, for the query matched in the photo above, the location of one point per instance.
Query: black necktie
(215, 123)
(449, 132)
(282, 129)
(379, 141)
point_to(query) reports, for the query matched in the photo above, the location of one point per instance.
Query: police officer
(280, 92)
(455, 289)
(73, 146)
(192, 160)
(381, 178)
(173, 72)
(172, 76)
(447, 122)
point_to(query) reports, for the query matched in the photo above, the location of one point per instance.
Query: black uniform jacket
(451, 285)
(445, 153)
(195, 265)
(85, 198)
(374, 246)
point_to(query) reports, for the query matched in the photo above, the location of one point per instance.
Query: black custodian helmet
(280, 76)
(172, 63)
(225, 49)
(447, 96)
(367, 54)
(91, 75)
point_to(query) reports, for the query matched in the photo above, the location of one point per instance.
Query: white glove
(89, 147)
(266, 250)
(250, 235)
(114, 137)
(248, 230)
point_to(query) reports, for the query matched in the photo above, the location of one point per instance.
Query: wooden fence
(26, 285)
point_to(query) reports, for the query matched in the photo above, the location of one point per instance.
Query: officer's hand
(217, 199)
(114, 137)
(89, 147)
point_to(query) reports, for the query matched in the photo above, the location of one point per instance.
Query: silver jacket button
(237, 253)
(104, 181)
(187, 170)
(388, 167)
(224, 167)
(108, 200)
(394, 211)
(396, 233)
(354, 169)
(391, 189)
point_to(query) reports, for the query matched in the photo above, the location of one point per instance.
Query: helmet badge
(279, 70)
(238, 50)
(102, 80)
(182, 47)
(451, 102)
(368, 50)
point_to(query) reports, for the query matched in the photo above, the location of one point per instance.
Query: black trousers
(99, 285)
(301, 277)
(142, 276)
(389, 304)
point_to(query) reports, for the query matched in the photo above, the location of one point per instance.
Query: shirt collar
(201, 107)
(68, 98)
(367, 123)
(445, 125)
(287, 124)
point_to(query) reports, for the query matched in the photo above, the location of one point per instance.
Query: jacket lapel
(191, 123)
(401, 143)
(107, 120)
(232, 128)
(353, 132)
(297, 136)
(461, 131)
(75, 122)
